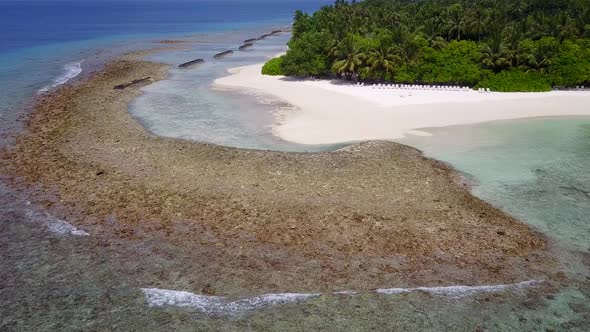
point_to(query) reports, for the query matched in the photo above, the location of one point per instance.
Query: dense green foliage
(506, 45)
(516, 80)
(306, 56)
(273, 67)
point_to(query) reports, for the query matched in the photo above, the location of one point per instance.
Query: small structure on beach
(245, 46)
(191, 63)
(134, 82)
(223, 54)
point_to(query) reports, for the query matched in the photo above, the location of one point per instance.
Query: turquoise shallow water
(535, 169)
(185, 106)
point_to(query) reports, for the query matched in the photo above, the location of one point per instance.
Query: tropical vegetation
(505, 45)
(273, 67)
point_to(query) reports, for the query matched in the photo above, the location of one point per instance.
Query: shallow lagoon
(535, 169)
(185, 106)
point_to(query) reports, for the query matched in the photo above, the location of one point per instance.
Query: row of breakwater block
(248, 43)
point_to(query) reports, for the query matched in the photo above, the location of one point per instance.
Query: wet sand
(239, 222)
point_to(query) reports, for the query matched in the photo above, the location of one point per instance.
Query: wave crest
(216, 304)
(157, 298)
(71, 70)
(54, 225)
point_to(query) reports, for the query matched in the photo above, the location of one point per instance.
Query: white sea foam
(461, 291)
(54, 225)
(71, 70)
(349, 293)
(157, 298)
(215, 304)
(61, 227)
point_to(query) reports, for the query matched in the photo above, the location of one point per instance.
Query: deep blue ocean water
(26, 24)
(43, 43)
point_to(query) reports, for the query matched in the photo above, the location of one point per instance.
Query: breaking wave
(216, 304)
(461, 291)
(157, 298)
(71, 70)
(54, 225)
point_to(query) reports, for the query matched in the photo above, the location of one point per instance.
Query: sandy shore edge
(329, 112)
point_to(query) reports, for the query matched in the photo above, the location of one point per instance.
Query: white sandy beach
(330, 112)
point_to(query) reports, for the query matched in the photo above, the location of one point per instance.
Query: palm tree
(438, 43)
(531, 28)
(567, 28)
(349, 58)
(511, 39)
(536, 55)
(456, 22)
(393, 19)
(410, 48)
(433, 23)
(583, 22)
(475, 21)
(494, 55)
(534, 62)
(382, 59)
(333, 48)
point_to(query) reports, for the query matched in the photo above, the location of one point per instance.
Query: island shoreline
(329, 112)
(273, 221)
